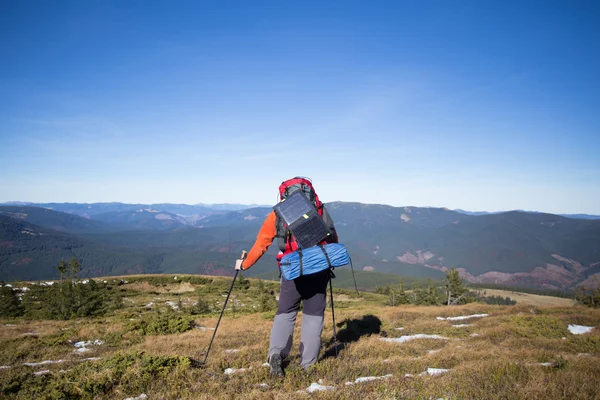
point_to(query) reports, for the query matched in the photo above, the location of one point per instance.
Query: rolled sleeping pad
(313, 259)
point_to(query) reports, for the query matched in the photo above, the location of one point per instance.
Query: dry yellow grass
(530, 299)
(497, 357)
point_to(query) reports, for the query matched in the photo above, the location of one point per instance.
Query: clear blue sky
(470, 104)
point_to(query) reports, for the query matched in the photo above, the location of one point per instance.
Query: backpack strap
(326, 256)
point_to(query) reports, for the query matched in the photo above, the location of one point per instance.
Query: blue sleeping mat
(314, 259)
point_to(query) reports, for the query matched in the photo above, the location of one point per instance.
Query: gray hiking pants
(312, 291)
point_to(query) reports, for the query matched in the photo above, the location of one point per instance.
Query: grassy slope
(501, 362)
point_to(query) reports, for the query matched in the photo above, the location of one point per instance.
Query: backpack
(286, 241)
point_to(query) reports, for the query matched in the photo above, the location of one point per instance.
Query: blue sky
(468, 104)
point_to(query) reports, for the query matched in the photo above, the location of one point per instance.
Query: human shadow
(354, 330)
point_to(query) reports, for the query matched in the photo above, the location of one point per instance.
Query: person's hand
(238, 265)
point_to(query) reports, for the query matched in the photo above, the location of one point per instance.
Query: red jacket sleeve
(264, 239)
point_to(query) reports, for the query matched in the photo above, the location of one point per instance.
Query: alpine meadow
(278, 200)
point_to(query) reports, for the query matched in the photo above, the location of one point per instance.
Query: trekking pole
(197, 363)
(353, 277)
(335, 345)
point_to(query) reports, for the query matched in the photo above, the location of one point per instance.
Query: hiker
(310, 289)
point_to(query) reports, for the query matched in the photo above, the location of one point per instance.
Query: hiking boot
(275, 365)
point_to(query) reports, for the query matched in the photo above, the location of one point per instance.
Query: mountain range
(511, 248)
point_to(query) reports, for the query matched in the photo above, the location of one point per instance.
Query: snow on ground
(263, 386)
(474, 334)
(434, 371)
(265, 365)
(399, 329)
(232, 350)
(462, 325)
(43, 372)
(149, 305)
(230, 371)
(45, 362)
(142, 396)
(82, 346)
(173, 305)
(88, 343)
(580, 329)
(5, 367)
(368, 379)
(203, 328)
(403, 339)
(461, 317)
(318, 387)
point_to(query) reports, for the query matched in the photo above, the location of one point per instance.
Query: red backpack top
(287, 242)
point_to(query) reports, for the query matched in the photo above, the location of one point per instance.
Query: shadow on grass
(354, 330)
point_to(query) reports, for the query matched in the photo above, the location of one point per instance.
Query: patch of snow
(5, 367)
(265, 365)
(232, 350)
(91, 359)
(263, 386)
(10, 325)
(173, 305)
(403, 339)
(203, 328)
(142, 396)
(545, 364)
(433, 351)
(315, 387)
(368, 379)
(43, 372)
(149, 305)
(462, 325)
(230, 371)
(24, 289)
(45, 362)
(387, 360)
(462, 317)
(475, 334)
(399, 329)
(580, 329)
(175, 278)
(82, 350)
(434, 371)
(8, 285)
(49, 283)
(88, 343)
(408, 375)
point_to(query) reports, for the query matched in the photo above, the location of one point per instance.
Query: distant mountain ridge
(575, 216)
(511, 248)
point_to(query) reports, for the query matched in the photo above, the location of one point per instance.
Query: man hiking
(310, 289)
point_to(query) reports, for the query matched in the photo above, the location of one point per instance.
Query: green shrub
(534, 326)
(10, 305)
(201, 307)
(132, 372)
(163, 323)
